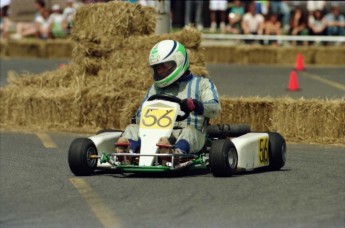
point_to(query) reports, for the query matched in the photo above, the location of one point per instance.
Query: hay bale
(254, 111)
(3, 48)
(26, 48)
(58, 48)
(59, 78)
(99, 23)
(287, 55)
(190, 38)
(261, 55)
(316, 120)
(91, 49)
(330, 56)
(237, 55)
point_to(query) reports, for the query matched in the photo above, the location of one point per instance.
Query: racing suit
(190, 129)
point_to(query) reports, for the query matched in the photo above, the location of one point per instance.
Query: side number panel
(263, 150)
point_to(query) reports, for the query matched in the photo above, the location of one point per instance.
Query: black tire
(276, 150)
(78, 157)
(223, 158)
(237, 130)
(222, 131)
(107, 130)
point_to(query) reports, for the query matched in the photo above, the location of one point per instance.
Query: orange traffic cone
(299, 62)
(293, 82)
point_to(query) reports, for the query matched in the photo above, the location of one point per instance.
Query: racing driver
(169, 62)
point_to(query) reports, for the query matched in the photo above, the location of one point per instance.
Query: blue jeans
(335, 31)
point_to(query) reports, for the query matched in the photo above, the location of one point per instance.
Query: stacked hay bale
(107, 77)
(301, 120)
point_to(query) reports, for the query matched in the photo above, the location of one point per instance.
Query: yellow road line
(99, 208)
(325, 81)
(46, 140)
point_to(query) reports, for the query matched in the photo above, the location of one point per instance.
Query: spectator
(335, 22)
(316, 23)
(68, 13)
(298, 24)
(194, 8)
(218, 6)
(25, 29)
(282, 9)
(235, 17)
(252, 22)
(272, 27)
(42, 24)
(57, 22)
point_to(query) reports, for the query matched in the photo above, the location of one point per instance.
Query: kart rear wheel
(79, 159)
(277, 151)
(223, 158)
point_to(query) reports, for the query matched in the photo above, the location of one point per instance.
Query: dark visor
(162, 70)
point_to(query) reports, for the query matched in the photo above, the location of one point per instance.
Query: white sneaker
(200, 27)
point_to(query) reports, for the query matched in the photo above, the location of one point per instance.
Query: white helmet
(169, 61)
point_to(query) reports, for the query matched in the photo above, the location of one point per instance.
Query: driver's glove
(190, 105)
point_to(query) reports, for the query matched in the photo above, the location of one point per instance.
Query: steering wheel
(166, 97)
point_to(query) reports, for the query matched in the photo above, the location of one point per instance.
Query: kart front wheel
(79, 157)
(277, 150)
(223, 158)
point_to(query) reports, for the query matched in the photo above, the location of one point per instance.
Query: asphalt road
(261, 80)
(37, 188)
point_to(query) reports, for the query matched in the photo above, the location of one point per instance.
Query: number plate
(157, 118)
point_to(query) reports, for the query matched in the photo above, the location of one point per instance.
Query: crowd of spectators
(277, 17)
(263, 17)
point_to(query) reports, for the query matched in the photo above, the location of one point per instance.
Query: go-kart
(228, 148)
